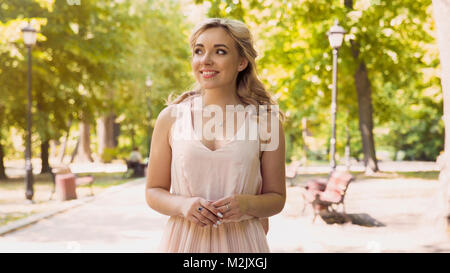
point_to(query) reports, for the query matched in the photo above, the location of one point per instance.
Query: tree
(364, 92)
(85, 53)
(385, 45)
(160, 50)
(2, 153)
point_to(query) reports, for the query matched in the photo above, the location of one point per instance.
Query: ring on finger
(228, 206)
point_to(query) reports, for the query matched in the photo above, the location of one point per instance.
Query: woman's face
(216, 61)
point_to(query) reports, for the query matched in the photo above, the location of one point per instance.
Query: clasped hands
(205, 213)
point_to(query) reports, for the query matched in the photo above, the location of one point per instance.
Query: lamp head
(29, 35)
(336, 35)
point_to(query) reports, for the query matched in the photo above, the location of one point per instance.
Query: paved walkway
(120, 221)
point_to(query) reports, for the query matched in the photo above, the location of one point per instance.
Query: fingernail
(218, 222)
(215, 225)
(220, 215)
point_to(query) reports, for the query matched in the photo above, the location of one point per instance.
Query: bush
(109, 154)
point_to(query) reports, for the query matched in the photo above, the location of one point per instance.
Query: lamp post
(335, 36)
(29, 37)
(149, 84)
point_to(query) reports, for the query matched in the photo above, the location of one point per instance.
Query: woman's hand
(202, 212)
(232, 207)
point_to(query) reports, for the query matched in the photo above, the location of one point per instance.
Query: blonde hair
(250, 89)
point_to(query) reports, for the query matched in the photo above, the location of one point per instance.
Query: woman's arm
(157, 189)
(273, 195)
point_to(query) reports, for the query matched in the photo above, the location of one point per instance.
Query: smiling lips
(208, 73)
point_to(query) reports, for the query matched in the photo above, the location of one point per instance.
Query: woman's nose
(206, 59)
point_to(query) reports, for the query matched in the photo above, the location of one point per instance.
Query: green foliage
(93, 59)
(418, 131)
(109, 154)
(395, 43)
(89, 60)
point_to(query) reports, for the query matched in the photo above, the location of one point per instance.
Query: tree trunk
(2, 154)
(84, 148)
(304, 159)
(75, 151)
(62, 150)
(442, 19)
(347, 148)
(105, 133)
(44, 157)
(54, 144)
(364, 92)
(133, 142)
(2, 164)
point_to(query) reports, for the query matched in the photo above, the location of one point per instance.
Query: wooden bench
(79, 181)
(323, 195)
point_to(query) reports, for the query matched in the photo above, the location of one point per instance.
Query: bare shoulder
(168, 114)
(165, 120)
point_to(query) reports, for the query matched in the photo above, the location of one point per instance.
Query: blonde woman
(220, 190)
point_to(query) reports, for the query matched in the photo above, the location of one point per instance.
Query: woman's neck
(220, 98)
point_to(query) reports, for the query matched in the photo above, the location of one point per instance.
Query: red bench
(65, 171)
(324, 194)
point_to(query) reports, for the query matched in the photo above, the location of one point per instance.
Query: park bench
(137, 168)
(79, 181)
(326, 194)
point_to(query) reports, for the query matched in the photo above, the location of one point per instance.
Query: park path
(119, 220)
(115, 221)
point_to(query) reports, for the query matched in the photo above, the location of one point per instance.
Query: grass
(432, 175)
(105, 180)
(6, 218)
(101, 180)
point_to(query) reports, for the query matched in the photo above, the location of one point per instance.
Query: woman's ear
(243, 64)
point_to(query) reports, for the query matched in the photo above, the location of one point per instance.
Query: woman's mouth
(208, 74)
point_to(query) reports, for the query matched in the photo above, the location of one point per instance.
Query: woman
(223, 189)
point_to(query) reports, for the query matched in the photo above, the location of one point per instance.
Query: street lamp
(335, 36)
(149, 84)
(29, 37)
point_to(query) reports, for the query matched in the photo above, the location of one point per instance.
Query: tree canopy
(395, 42)
(93, 59)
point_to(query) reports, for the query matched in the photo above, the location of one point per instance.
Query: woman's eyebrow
(220, 45)
(216, 45)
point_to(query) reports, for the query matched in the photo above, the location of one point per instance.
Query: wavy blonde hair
(250, 89)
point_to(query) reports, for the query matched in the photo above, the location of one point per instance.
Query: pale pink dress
(196, 170)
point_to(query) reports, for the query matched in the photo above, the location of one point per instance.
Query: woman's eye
(220, 51)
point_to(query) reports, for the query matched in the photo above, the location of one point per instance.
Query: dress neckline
(227, 142)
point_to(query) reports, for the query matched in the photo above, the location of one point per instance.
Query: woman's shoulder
(164, 122)
(166, 117)
(166, 112)
(169, 115)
